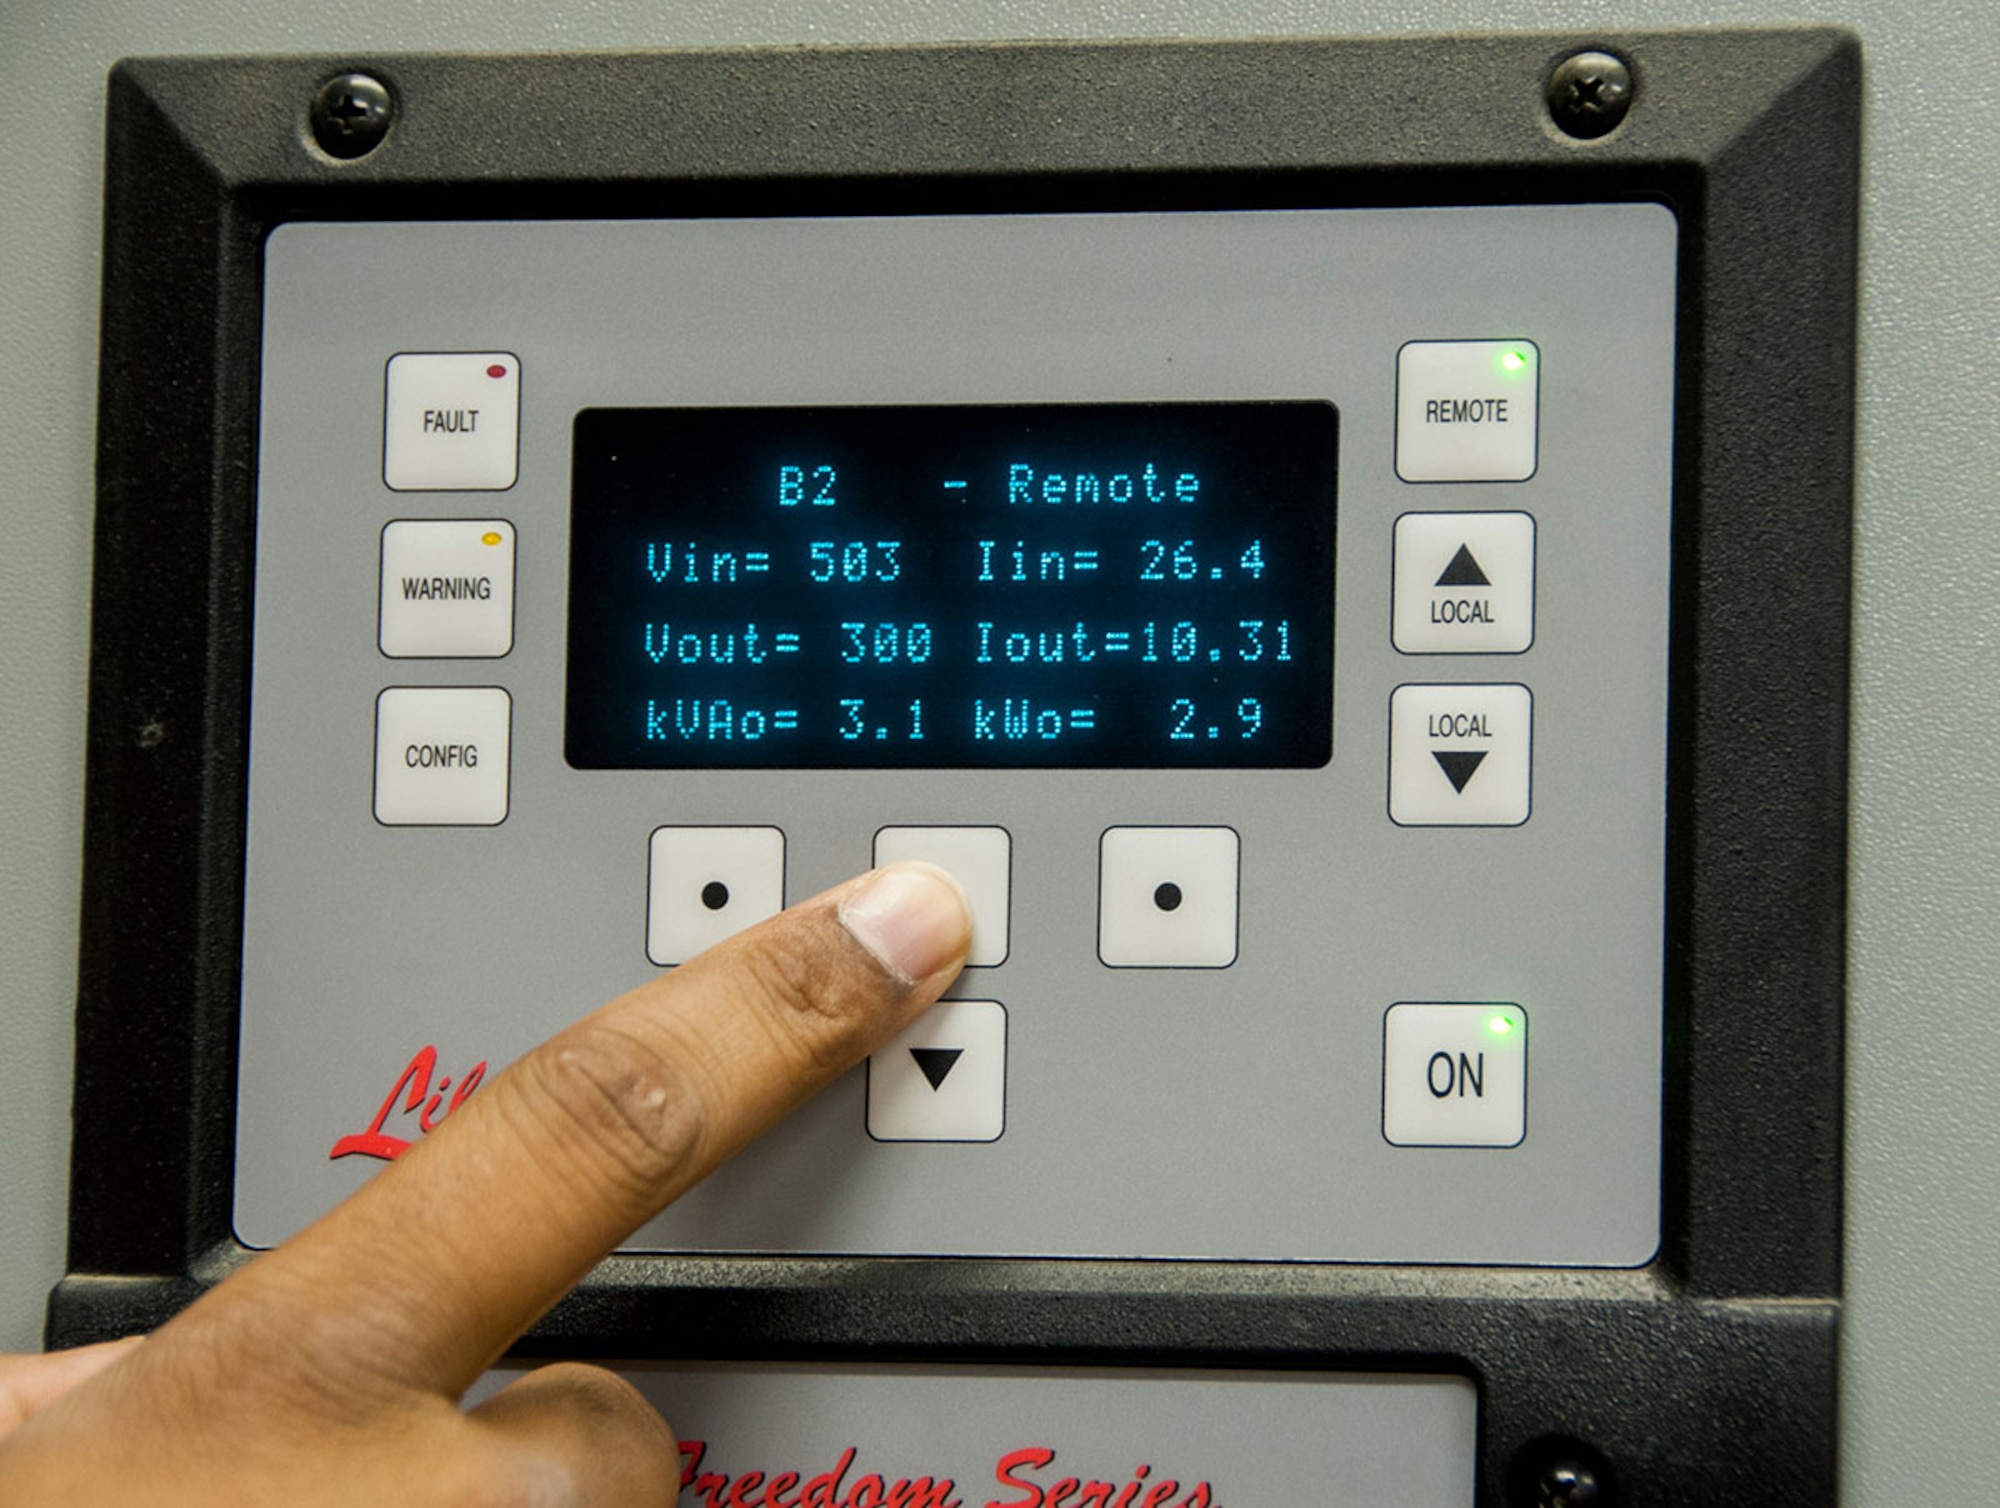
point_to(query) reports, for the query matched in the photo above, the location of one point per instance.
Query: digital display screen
(1133, 585)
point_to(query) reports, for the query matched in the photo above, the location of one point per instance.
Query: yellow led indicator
(1500, 1025)
(1513, 361)
(490, 537)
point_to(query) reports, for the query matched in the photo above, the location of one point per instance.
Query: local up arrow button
(936, 1062)
(1463, 571)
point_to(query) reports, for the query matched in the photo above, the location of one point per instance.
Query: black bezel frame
(1708, 1376)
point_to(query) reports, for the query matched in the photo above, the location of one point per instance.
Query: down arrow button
(936, 1062)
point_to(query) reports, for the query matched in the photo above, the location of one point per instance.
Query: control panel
(1356, 594)
(1263, 614)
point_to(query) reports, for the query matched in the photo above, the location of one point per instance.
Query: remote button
(1466, 410)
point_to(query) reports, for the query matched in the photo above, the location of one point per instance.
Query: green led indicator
(1500, 1025)
(1513, 361)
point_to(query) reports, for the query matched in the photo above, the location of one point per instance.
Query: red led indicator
(496, 370)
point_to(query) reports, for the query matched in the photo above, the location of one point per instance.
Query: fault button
(1467, 410)
(450, 421)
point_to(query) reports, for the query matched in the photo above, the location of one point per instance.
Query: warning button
(447, 588)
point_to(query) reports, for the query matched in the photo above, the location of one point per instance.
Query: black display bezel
(676, 477)
(1707, 1376)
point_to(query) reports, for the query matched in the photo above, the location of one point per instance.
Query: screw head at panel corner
(1589, 94)
(1569, 1484)
(351, 114)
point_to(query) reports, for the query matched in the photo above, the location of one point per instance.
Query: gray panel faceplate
(815, 1436)
(1232, 1113)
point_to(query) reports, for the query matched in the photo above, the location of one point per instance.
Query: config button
(441, 756)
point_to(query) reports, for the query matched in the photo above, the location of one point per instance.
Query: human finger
(29, 1384)
(426, 1274)
(573, 1434)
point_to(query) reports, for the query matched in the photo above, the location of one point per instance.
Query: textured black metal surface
(1708, 1377)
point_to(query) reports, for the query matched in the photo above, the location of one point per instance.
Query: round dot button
(1167, 897)
(706, 883)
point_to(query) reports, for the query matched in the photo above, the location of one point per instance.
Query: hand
(329, 1371)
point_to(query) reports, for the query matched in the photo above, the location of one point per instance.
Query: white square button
(1466, 410)
(944, 1078)
(707, 883)
(1455, 1075)
(1465, 583)
(450, 421)
(979, 859)
(1460, 756)
(441, 756)
(1166, 897)
(447, 588)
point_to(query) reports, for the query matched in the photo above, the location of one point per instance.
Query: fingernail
(911, 916)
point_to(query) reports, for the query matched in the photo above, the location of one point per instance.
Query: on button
(1455, 1075)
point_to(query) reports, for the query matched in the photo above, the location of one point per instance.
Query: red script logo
(416, 1084)
(1017, 1470)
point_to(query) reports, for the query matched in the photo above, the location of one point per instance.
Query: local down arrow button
(1458, 765)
